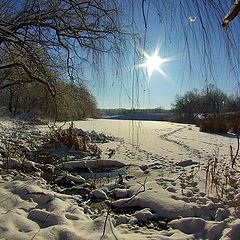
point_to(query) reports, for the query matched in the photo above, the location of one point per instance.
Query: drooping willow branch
(28, 72)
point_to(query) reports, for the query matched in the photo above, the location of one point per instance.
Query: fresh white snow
(169, 192)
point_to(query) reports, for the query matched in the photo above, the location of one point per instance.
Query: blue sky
(183, 39)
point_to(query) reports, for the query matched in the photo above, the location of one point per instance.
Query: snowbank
(163, 196)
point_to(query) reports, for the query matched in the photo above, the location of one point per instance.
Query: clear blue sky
(184, 39)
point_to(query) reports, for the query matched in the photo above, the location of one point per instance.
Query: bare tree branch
(28, 72)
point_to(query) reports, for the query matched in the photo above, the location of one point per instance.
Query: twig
(105, 223)
(234, 158)
(130, 199)
(137, 193)
(108, 212)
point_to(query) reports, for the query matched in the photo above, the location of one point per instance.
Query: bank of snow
(164, 199)
(30, 211)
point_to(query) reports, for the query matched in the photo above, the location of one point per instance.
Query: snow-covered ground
(179, 185)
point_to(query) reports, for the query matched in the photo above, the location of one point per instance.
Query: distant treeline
(208, 101)
(34, 101)
(25, 93)
(124, 111)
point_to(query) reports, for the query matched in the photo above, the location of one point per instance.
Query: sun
(154, 63)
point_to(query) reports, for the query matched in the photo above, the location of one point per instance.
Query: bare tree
(72, 33)
(61, 28)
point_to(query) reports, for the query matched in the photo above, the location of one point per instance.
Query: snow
(120, 193)
(143, 215)
(76, 179)
(160, 202)
(91, 164)
(199, 227)
(233, 231)
(222, 214)
(168, 201)
(99, 194)
(28, 210)
(122, 219)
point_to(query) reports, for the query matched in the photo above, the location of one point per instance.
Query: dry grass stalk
(72, 139)
(233, 158)
(214, 124)
(220, 177)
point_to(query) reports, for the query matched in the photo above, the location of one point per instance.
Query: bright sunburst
(154, 63)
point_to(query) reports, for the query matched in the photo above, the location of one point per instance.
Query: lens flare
(154, 63)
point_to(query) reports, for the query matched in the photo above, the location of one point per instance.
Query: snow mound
(31, 211)
(99, 194)
(71, 165)
(232, 232)
(160, 202)
(143, 215)
(120, 193)
(199, 227)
